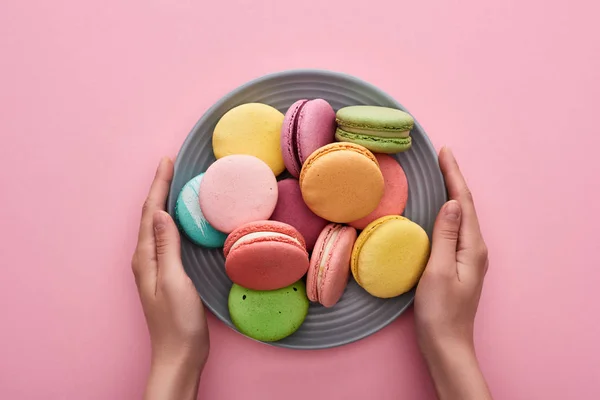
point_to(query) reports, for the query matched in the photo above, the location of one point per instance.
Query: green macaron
(270, 315)
(379, 129)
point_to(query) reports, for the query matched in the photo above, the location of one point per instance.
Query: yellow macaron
(389, 256)
(253, 129)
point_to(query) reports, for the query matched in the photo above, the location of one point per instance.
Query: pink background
(93, 93)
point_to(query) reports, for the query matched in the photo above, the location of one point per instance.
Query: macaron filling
(295, 146)
(371, 138)
(326, 253)
(250, 237)
(389, 133)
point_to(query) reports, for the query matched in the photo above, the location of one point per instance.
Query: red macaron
(395, 193)
(265, 255)
(330, 264)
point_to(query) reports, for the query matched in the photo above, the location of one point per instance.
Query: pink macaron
(292, 210)
(265, 255)
(308, 125)
(330, 264)
(395, 193)
(237, 189)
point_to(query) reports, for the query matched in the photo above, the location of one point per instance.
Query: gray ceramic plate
(357, 315)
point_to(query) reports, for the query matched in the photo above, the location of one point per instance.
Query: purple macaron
(308, 125)
(291, 209)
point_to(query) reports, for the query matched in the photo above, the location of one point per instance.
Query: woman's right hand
(173, 310)
(449, 290)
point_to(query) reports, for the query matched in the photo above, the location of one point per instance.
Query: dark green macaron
(379, 129)
(270, 315)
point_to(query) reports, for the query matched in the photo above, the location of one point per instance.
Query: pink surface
(235, 190)
(94, 92)
(395, 193)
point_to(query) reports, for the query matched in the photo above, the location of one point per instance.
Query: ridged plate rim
(299, 76)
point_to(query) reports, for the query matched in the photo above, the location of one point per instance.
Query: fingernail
(159, 221)
(452, 210)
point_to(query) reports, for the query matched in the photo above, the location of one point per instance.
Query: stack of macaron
(298, 239)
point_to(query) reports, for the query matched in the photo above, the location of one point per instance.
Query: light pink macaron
(330, 264)
(235, 190)
(395, 193)
(307, 126)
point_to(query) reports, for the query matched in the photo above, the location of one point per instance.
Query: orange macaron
(341, 182)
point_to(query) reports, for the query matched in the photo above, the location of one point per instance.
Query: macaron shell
(292, 210)
(314, 128)
(266, 265)
(268, 316)
(383, 119)
(236, 190)
(288, 147)
(374, 143)
(341, 182)
(262, 226)
(395, 194)
(389, 256)
(315, 260)
(335, 275)
(190, 219)
(252, 129)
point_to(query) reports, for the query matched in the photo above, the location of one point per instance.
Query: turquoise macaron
(379, 129)
(191, 221)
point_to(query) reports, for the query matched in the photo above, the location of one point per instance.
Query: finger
(168, 251)
(157, 197)
(458, 190)
(445, 239)
(145, 270)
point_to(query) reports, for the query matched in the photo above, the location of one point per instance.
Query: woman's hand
(449, 291)
(173, 310)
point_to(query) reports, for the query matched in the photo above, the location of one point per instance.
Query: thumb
(166, 236)
(445, 234)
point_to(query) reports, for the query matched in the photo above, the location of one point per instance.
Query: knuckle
(484, 250)
(448, 233)
(467, 194)
(482, 254)
(146, 206)
(135, 264)
(162, 245)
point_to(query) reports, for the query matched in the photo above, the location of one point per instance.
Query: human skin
(173, 310)
(445, 304)
(449, 290)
